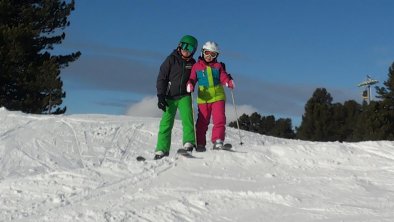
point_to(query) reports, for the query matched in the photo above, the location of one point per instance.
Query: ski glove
(162, 104)
(189, 87)
(230, 84)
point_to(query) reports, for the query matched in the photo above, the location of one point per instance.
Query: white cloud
(147, 107)
(241, 109)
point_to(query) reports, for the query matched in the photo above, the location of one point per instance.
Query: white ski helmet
(211, 46)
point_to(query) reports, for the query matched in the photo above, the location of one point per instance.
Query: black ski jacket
(173, 76)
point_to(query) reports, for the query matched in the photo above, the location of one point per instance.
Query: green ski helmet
(189, 43)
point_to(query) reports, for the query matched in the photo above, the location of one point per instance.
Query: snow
(83, 168)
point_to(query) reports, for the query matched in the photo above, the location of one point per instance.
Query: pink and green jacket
(210, 78)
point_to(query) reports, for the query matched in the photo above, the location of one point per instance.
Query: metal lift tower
(367, 84)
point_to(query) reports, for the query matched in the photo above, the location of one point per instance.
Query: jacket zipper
(182, 72)
(168, 88)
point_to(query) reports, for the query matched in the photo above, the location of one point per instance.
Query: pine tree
(316, 119)
(336, 127)
(267, 124)
(386, 112)
(255, 122)
(283, 129)
(373, 124)
(387, 93)
(352, 111)
(244, 122)
(29, 73)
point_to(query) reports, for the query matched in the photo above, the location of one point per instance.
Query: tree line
(266, 125)
(324, 120)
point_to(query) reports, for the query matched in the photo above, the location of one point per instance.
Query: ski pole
(194, 125)
(236, 115)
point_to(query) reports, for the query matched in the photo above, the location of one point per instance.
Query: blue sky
(278, 52)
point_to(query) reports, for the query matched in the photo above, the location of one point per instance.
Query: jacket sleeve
(163, 77)
(224, 77)
(193, 75)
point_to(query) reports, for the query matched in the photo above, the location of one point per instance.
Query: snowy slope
(83, 168)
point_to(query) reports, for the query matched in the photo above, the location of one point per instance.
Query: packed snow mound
(83, 168)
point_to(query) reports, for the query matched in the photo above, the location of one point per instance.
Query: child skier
(210, 76)
(172, 95)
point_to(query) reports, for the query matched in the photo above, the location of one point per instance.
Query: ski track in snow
(83, 168)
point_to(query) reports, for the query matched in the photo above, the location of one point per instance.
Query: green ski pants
(184, 105)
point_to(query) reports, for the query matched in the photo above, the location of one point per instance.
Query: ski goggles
(210, 53)
(187, 47)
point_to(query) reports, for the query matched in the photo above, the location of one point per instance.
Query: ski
(180, 151)
(140, 158)
(226, 146)
(185, 153)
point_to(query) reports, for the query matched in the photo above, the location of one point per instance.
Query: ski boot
(218, 145)
(201, 148)
(160, 154)
(188, 147)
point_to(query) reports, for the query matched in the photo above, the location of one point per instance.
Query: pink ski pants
(205, 110)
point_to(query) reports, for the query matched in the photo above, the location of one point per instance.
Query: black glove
(230, 77)
(162, 104)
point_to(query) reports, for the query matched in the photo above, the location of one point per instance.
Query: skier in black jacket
(171, 92)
